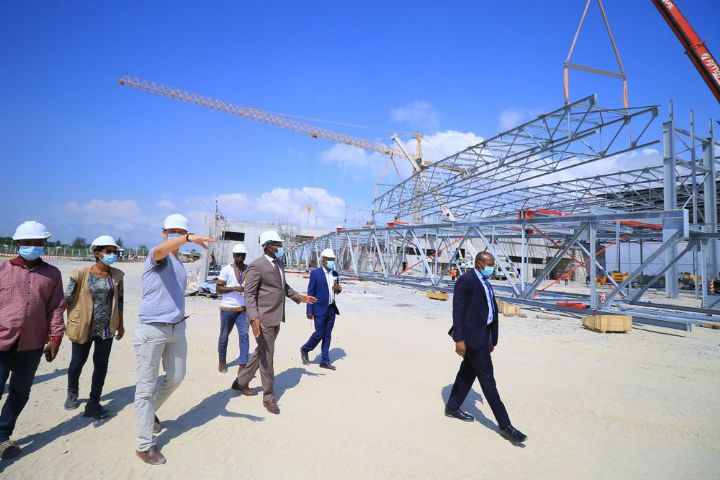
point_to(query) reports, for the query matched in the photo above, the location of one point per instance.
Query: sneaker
(95, 410)
(72, 402)
(8, 449)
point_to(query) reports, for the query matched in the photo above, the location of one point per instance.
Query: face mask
(331, 264)
(487, 271)
(279, 252)
(31, 253)
(174, 235)
(109, 258)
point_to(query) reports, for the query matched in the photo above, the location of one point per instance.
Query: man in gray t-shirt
(160, 333)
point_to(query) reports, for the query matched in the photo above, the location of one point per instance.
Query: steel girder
(570, 136)
(419, 256)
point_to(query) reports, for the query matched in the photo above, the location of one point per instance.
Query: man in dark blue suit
(324, 285)
(475, 331)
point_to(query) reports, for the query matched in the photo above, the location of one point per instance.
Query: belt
(232, 309)
(167, 324)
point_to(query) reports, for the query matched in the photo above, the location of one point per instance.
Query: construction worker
(265, 291)
(94, 299)
(160, 334)
(324, 285)
(453, 273)
(31, 322)
(232, 308)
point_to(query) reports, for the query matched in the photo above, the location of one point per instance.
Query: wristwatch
(187, 236)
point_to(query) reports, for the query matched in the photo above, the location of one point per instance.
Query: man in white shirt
(232, 308)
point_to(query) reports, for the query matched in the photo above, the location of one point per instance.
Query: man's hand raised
(200, 240)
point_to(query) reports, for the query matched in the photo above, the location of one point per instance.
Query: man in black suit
(475, 331)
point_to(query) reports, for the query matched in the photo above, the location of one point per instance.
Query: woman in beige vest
(94, 299)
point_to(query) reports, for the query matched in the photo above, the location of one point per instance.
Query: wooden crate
(508, 308)
(608, 323)
(437, 295)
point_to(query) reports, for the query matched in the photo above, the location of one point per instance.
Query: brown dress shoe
(271, 406)
(243, 389)
(151, 456)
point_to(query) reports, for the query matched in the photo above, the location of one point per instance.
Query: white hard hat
(269, 236)
(176, 221)
(103, 241)
(239, 248)
(327, 253)
(31, 230)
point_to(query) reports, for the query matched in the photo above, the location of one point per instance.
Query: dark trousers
(228, 320)
(477, 363)
(21, 368)
(101, 356)
(323, 333)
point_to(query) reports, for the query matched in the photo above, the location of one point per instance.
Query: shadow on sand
(470, 406)
(114, 401)
(212, 407)
(335, 355)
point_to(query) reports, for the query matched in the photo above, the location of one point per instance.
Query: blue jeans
(23, 366)
(322, 333)
(227, 321)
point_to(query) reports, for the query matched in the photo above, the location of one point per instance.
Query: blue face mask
(331, 264)
(109, 258)
(279, 252)
(487, 271)
(175, 235)
(31, 253)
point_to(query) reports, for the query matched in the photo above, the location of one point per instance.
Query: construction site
(621, 234)
(595, 193)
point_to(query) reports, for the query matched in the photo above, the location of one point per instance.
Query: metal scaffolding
(507, 202)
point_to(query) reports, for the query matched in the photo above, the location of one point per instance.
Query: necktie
(277, 270)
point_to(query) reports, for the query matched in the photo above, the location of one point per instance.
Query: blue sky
(88, 157)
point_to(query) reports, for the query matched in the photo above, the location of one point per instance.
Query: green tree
(120, 242)
(79, 242)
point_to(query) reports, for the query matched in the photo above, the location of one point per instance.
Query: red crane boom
(694, 47)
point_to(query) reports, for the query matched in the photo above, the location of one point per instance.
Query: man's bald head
(484, 259)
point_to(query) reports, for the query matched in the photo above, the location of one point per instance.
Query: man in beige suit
(265, 292)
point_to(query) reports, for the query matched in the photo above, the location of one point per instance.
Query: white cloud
(166, 204)
(277, 205)
(372, 164)
(417, 114)
(117, 218)
(443, 144)
(513, 116)
(348, 157)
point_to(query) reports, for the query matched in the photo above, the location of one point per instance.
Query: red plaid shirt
(31, 305)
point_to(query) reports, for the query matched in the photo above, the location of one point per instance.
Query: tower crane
(416, 160)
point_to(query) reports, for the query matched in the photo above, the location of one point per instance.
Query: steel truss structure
(469, 181)
(493, 186)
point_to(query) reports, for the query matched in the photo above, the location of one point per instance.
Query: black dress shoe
(95, 410)
(151, 456)
(513, 434)
(304, 357)
(9, 450)
(329, 366)
(460, 415)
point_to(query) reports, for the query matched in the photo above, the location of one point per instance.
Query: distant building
(231, 232)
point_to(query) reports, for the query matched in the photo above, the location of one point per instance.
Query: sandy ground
(638, 405)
